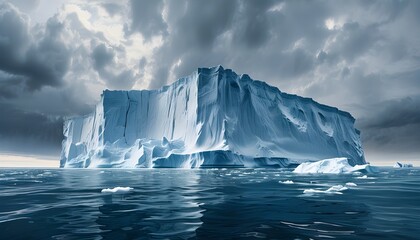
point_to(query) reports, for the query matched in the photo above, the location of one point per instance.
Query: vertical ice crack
(126, 118)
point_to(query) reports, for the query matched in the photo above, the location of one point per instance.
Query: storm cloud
(361, 56)
(41, 62)
(29, 133)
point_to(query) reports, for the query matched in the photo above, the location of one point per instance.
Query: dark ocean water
(207, 204)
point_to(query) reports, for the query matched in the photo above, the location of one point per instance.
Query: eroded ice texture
(211, 118)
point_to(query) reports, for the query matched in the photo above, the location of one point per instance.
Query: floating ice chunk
(337, 189)
(287, 182)
(116, 190)
(332, 165)
(350, 184)
(402, 165)
(365, 177)
(311, 190)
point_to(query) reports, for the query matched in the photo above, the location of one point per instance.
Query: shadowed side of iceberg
(220, 158)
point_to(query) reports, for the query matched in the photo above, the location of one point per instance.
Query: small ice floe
(403, 165)
(365, 177)
(337, 189)
(350, 184)
(287, 182)
(333, 166)
(116, 190)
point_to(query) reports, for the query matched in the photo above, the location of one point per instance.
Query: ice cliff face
(211, 118)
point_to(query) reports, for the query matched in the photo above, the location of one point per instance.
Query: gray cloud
(104, 63)
(41, 63)
(392, 126)
(255, 31)
(26, 5)
(112, 8)
(147, 18)
(393, 113)
(102, 56)
(29, 133)
(352, 41)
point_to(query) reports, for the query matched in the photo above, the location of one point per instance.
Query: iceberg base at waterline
(168, 154)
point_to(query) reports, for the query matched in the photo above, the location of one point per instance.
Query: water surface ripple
(207, 204)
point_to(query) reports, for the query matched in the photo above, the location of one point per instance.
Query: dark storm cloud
(10, 85)
(34, 61)
(194, 28)
(354, 40)
(253, 31)
(394, 113)
(29, 133)
(41, 63)
(147, 18)
(257, 37)
(102, 56)
(392, 125)
(104, 64)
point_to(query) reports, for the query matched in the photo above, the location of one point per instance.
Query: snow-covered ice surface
(332, 166)
(211, 118)
(403, 165)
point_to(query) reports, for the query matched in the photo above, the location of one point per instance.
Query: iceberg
(402, 165)
(333, 166)
(212, 118)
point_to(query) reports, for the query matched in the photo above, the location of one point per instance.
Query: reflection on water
(205, 204)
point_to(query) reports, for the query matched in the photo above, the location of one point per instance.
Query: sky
(56, 58)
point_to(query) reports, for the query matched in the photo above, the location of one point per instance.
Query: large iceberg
(211, 118)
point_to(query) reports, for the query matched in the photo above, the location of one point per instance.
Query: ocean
(208, 204)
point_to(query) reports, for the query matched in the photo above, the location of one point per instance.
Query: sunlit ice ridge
(212, 118)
